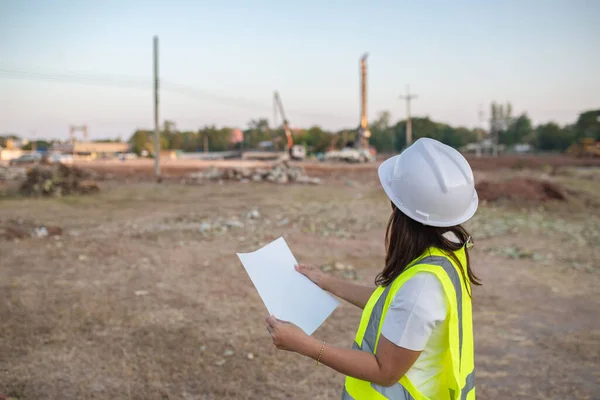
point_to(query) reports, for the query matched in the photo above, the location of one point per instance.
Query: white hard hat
(430, 182)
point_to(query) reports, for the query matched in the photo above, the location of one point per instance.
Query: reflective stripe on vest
(397, 391)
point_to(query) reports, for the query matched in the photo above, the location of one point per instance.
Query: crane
(359, 150)
(296, 152)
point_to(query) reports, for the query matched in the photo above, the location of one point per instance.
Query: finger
(272, 321)
(302, 268)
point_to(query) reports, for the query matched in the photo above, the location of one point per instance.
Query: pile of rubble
(19, 229)
(57, 180)
(12, 173)
(279, 173)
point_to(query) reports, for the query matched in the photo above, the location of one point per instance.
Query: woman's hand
(287, 336)
(314, 274)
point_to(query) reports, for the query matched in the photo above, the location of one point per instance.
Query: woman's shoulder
(422, 281)
(422, 293)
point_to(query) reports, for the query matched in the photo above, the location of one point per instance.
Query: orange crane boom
(286, 127)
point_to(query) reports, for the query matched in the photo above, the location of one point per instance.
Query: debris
(339, 266)
(228, 353)
(204, 227)
(202, 348)
(220, 363)
(12, 173)
(57, 180)
(280, 173)
(19, 229)
(82, 257)
(253, 214)
(142, 293)
(234, 223)
(41, 232)
(250, 356)
(283, 222)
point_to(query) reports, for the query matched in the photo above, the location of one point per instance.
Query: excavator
(296, 152)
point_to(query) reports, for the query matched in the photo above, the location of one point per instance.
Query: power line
(147, 84)
(100, 80)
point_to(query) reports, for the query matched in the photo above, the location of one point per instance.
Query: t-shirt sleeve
(416, 309)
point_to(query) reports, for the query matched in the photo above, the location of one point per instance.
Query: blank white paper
(287, 294)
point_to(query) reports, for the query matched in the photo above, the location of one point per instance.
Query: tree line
(385, 136)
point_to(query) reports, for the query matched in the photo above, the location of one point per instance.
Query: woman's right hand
(314, 274)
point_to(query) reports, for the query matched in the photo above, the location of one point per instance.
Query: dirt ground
(143, 297)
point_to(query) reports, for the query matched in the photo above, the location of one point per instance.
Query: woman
(415, 338)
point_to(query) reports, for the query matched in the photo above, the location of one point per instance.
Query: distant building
(94, 149)
(237, 136)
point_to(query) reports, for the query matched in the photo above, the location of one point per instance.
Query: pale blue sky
(542, 55)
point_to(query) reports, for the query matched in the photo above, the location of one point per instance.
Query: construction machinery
(296, 152)
(360, 150)
(585, 148)
(362, 137)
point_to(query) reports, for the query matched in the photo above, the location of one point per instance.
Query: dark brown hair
(407, 239)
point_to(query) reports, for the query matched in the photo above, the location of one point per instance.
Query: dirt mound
(520, 189)
(57, 180)
(518, 162)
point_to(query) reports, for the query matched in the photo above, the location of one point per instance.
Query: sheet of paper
(287, 294)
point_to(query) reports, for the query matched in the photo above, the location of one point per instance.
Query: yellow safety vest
(458, 380)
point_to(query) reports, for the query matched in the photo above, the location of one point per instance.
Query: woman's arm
(385, 368)
(351, 292)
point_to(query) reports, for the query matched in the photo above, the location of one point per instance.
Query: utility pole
(274, 110)
(156, 141)
(408, 98)
(480, 114)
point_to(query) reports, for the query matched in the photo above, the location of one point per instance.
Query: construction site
(119, 278)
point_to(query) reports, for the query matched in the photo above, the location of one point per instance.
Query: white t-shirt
(416, 320)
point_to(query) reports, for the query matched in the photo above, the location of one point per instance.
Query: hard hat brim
(386, 173)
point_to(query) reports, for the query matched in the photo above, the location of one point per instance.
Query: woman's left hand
(286, 336)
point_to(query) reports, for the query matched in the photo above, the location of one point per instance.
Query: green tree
(317, 139)
(519, 130)
(258, 131)
(39, 145)
(5, 138)
(142, 140)
(588, 125)
(551, 137)
(382, 133)
(458, 137)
